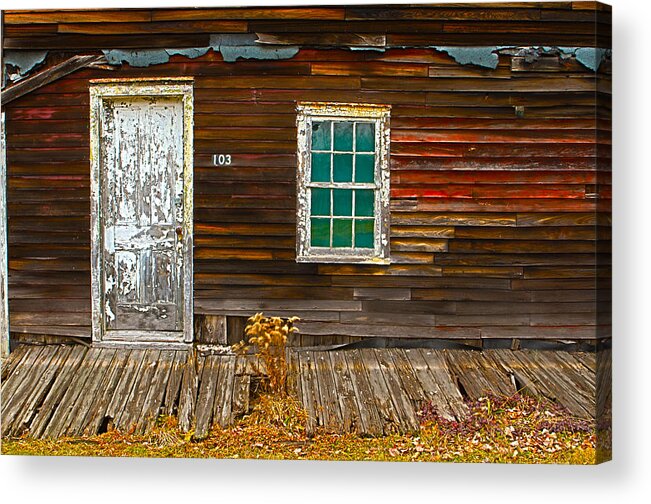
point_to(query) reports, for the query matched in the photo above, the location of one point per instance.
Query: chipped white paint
(379, 115)
(110, 316)
(4, 294)
(141, 219)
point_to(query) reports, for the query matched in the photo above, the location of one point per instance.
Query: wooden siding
(500, 225)
(526, 23)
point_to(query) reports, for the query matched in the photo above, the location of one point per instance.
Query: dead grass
(505, 430)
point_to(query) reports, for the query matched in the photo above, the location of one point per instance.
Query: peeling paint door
(142, 257)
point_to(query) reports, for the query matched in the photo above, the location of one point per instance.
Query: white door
(144, 253)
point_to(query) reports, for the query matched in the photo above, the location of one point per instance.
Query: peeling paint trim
(488, 56)
(148, 57)
(24, 61)
(592, 57)
(192, 52)
(483, 56)
(243, 46)
(139, 58)
(231, 46)
(233, 53)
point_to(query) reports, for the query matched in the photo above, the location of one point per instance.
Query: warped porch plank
(188, 393)
(309, 390)
(17, 395)
(206, 396)
(525, 381)
(22, 373)
(59, 420)
(68, 371)
(123, 388)
(588, 359)
(371, 421)
(603, 366)
(401, 401)
(548, 383)
(345, 394)
(569, 386)
(13, 361)
(478, 374)
(429, 385)
(437, 364)
(380, 391)
(575, 371)
(97, 410)
(81, 410)
(293, 377)
(405, 372)
(565, 388)
(155, 394)
(173, 387)
(223, 405)
(129, 416)
(16, 420)
(496, 375)
(329, 404)
(40, 392)
(466, 371)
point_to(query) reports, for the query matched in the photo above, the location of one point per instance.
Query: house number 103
(221, 159)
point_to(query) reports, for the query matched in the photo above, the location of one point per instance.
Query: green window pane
(364, 168)
(320, 201)
(342, 233)
(320, 167)
(344, 136)
(365, 137)
(364, 202)
(343, 202)
(320, 235)
(321, 135)
(343, 168)
(364, 233)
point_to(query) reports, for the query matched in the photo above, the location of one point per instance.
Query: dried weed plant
(267, 336)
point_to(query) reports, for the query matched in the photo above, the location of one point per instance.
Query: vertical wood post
(210, 329)
(4, 302)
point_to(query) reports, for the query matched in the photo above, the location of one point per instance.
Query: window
(343, 183)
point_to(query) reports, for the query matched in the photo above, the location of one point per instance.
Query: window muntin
(343, 183)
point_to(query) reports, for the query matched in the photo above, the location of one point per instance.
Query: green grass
(505, 430)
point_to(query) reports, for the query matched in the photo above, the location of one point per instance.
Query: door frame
(101, 89)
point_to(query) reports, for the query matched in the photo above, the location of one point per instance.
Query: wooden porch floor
(54, 390)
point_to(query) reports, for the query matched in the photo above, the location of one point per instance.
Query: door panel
(141, 167)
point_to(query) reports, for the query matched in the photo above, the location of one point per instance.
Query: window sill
(378, 261)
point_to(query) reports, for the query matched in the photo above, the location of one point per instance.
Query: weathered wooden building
(429, 171)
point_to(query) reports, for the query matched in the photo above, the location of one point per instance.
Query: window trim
(379, 114)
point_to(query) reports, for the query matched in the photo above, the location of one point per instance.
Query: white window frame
(379, 115)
